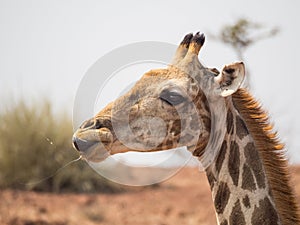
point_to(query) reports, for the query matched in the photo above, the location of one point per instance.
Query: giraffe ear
(231, 78)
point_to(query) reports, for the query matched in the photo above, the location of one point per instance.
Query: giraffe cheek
(133, 112)
(148, 132)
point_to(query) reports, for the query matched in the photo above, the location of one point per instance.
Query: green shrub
(34, 144)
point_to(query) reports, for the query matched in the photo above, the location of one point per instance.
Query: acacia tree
(242, 34)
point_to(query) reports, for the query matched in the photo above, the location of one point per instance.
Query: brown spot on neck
(241, 128)
(248, 179)
(265, 213)
(234, 162)
(237, 217)
(255, 163)
(229, 122)
(246, 202)
(221, 156)
(224, 222)
(211, 179)
(222, 197)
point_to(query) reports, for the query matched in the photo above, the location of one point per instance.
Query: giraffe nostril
(91, 124)
(87, 124)
(97, 124)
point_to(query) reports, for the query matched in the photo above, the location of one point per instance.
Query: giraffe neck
(240, 188)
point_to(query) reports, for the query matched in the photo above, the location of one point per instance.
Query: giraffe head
(181, 105)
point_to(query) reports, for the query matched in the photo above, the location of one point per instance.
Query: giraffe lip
(92, 144)
(82, 145)
(84, 139)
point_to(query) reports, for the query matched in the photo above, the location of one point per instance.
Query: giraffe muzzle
(92, 142)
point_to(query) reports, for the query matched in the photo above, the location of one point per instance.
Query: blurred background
(47, 46)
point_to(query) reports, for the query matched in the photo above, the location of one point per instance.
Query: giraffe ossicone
(188, 104)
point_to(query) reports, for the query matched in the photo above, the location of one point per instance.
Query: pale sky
(47, 46)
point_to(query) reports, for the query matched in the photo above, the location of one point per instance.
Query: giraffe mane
(272, 153)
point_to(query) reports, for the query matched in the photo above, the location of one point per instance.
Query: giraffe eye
(171, 97)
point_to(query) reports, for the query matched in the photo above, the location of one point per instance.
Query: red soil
(183, 199)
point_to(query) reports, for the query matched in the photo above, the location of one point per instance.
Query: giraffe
(206, 110)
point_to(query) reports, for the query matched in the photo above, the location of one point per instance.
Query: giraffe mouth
(93, 144)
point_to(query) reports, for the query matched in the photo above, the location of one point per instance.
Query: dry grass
(35, 143)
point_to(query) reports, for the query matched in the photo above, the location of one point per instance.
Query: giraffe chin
(95, 153)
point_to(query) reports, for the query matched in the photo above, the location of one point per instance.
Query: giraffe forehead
(197, 77)
(167, 73)
(154, 82)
